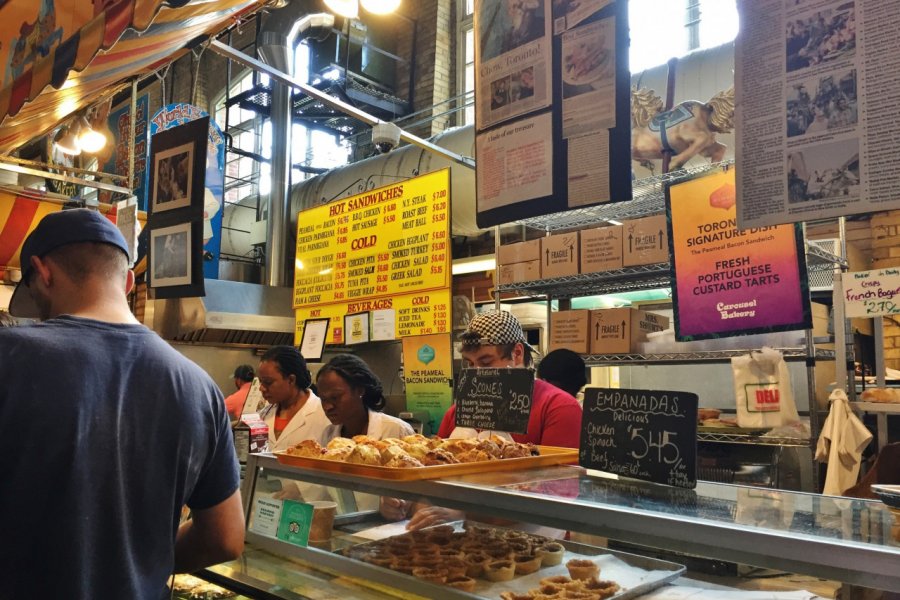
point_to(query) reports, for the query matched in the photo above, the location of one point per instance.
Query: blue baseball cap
(55, 230)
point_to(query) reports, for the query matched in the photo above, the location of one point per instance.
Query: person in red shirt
(243, 377)
(495, 340)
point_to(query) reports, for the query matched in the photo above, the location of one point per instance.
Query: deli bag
(762, 388)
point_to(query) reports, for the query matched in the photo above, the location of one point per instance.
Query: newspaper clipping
(515, 162)
(589, 78)
(569, 13)
(513, 49)
(828, 149)
(588, 178)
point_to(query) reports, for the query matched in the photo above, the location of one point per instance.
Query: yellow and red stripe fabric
(128, 38)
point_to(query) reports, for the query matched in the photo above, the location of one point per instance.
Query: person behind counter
(100, 457)
(243, 378)
(495, 339)
(294, 413)
(353, 398)
(564, 369)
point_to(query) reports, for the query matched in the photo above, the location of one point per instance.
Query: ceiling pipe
(278, 38)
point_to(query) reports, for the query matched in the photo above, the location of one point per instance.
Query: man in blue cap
(106, 432)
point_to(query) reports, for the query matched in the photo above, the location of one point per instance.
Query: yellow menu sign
(387, 249)
(378, 244)
(415, 314)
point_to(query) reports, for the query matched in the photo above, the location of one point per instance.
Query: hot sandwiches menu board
(498, 399)
(643, 434)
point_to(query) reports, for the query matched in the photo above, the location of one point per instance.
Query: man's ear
(129, 282)
(518, 354)
(42, 270)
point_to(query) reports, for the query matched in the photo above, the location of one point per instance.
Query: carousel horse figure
(685, 131)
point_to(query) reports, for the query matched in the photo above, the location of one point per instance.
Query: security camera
(386, 137)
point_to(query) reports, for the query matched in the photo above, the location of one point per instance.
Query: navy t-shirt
(105, 433)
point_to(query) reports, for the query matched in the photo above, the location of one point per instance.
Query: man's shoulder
(547, 393)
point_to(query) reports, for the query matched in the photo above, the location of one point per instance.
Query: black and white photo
(170, 255)
(172, 182)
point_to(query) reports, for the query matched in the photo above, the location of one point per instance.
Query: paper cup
(322, 520)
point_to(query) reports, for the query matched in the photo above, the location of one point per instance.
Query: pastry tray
(549, 456)
(637, 575)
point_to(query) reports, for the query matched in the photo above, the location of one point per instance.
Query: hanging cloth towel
(841, 443)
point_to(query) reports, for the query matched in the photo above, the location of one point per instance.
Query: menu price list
(642, 434)
(384, 242)
(415, 314)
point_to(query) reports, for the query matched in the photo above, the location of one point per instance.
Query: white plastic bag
(762, 388)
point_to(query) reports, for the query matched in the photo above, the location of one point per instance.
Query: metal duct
(395, 166)
(277, 38)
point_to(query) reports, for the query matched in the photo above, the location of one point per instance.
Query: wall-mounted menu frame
(539, 154)
(312, 343)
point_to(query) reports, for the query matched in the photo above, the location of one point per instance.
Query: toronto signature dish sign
(642, 434)
(495, 399)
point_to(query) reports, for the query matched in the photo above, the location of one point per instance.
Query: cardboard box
(516, 272)
(520, 252)
(645, 241)
(559, 255)
(601, 249)
(569, 329)
(622, 330)
(251, 435)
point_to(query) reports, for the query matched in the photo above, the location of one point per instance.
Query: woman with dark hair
(353, 398)
(294, 413)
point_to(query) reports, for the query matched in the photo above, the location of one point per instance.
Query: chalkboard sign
(644, 434)
(497, 399)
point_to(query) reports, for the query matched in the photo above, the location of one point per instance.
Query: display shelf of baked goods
(648, 198)
(785, 530)
(709, 356)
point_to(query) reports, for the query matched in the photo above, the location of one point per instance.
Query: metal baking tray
(549, 456)
(889, 494)
(637, 575)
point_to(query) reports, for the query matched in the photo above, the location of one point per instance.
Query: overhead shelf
(632, 279)
(708, 356)
(749, 439)
(648, 198)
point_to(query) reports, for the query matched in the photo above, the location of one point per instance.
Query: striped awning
(21, 211)
(128, 38)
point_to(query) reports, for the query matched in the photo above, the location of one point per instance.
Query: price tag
(497, 399)
(643, 434)
(871, 293)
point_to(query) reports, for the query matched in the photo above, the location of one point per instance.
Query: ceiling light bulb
(91, 141)
(344, 8)
(380, 7)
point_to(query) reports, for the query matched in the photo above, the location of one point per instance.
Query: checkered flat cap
(493, 328)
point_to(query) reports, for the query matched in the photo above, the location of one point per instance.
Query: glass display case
(852, 541)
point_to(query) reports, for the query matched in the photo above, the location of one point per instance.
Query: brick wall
(885, 229)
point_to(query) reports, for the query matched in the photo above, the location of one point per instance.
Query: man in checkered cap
(495, 340)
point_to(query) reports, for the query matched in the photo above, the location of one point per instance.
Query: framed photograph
(171, 261)
(356, 328)
(315, 334)
(178, 173)
(172, 178)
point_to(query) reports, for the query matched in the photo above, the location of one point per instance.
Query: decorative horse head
(685, 131)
